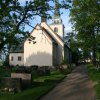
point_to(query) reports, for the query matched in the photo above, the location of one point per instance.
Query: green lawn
(31, 94)
(95, 76)
(4, 72)
(41, 85)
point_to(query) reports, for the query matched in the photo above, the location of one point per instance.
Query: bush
(34, 67)
(90, 66)
(28, 70)
(94, 74)
(44, 70)
(21, 69)
(14, 69)
(41, 72)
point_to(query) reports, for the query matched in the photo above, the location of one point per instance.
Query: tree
(14, 17)
(74, 46)
(86, 21)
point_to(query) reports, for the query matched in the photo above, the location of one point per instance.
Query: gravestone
(44, 70)
(26, 78)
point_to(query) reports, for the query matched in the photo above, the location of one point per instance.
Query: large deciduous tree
(14, 16)
(85, 16)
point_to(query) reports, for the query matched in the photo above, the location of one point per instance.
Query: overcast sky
(65, 18)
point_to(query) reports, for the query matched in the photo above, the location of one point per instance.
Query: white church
(48, 47)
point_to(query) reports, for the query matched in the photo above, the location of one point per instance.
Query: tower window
(19, 58)
(12, 58)
(54, 22)
(55, 29)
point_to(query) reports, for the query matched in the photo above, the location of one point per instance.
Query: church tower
(57, 25)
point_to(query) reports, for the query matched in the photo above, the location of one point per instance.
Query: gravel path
(76, 86)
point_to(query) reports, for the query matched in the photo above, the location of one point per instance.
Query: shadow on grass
(41, 85)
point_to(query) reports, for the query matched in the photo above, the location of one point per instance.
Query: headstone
(44, 70)
(65, 66)
(26, 78)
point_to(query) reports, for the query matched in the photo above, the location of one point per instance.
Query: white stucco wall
(55, 53)
(60, 29)
(43, 24)
(39, 53)
(60, 55)
(15, 59)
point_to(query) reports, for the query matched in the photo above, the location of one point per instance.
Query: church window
(55, 29)
(12, 58)
(19, 58)
(54, 22)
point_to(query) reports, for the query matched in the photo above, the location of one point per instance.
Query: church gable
(53, 34)
(39, 53)
(41, 35)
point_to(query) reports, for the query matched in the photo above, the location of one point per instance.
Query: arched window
(55, 29)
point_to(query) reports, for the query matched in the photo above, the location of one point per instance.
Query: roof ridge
(55, 33)
(46, 31)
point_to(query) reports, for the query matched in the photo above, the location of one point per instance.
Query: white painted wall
(15, 59)
(44, 24)
(39, 53)
(60, 55)
(55, 54)
(60, 29)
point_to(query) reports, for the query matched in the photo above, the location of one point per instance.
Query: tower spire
(56, 17)
(57, 12)
(56, 24)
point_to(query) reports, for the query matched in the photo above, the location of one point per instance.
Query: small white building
(49, 48)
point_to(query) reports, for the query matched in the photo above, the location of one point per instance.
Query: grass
(30, 94)
(4, 72)
(94, 74)
(41, 85)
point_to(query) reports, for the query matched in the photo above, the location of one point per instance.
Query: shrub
(90, 66)
(34, 67)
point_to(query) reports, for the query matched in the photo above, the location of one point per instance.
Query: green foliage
(14, 69)
(74, 46)
(14, 16)
(4, 72)
(65, 62)
(85, 19)
(94, 74)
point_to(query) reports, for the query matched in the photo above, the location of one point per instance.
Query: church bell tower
(57, 25)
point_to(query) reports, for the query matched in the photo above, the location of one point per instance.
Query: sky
(65, 19)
